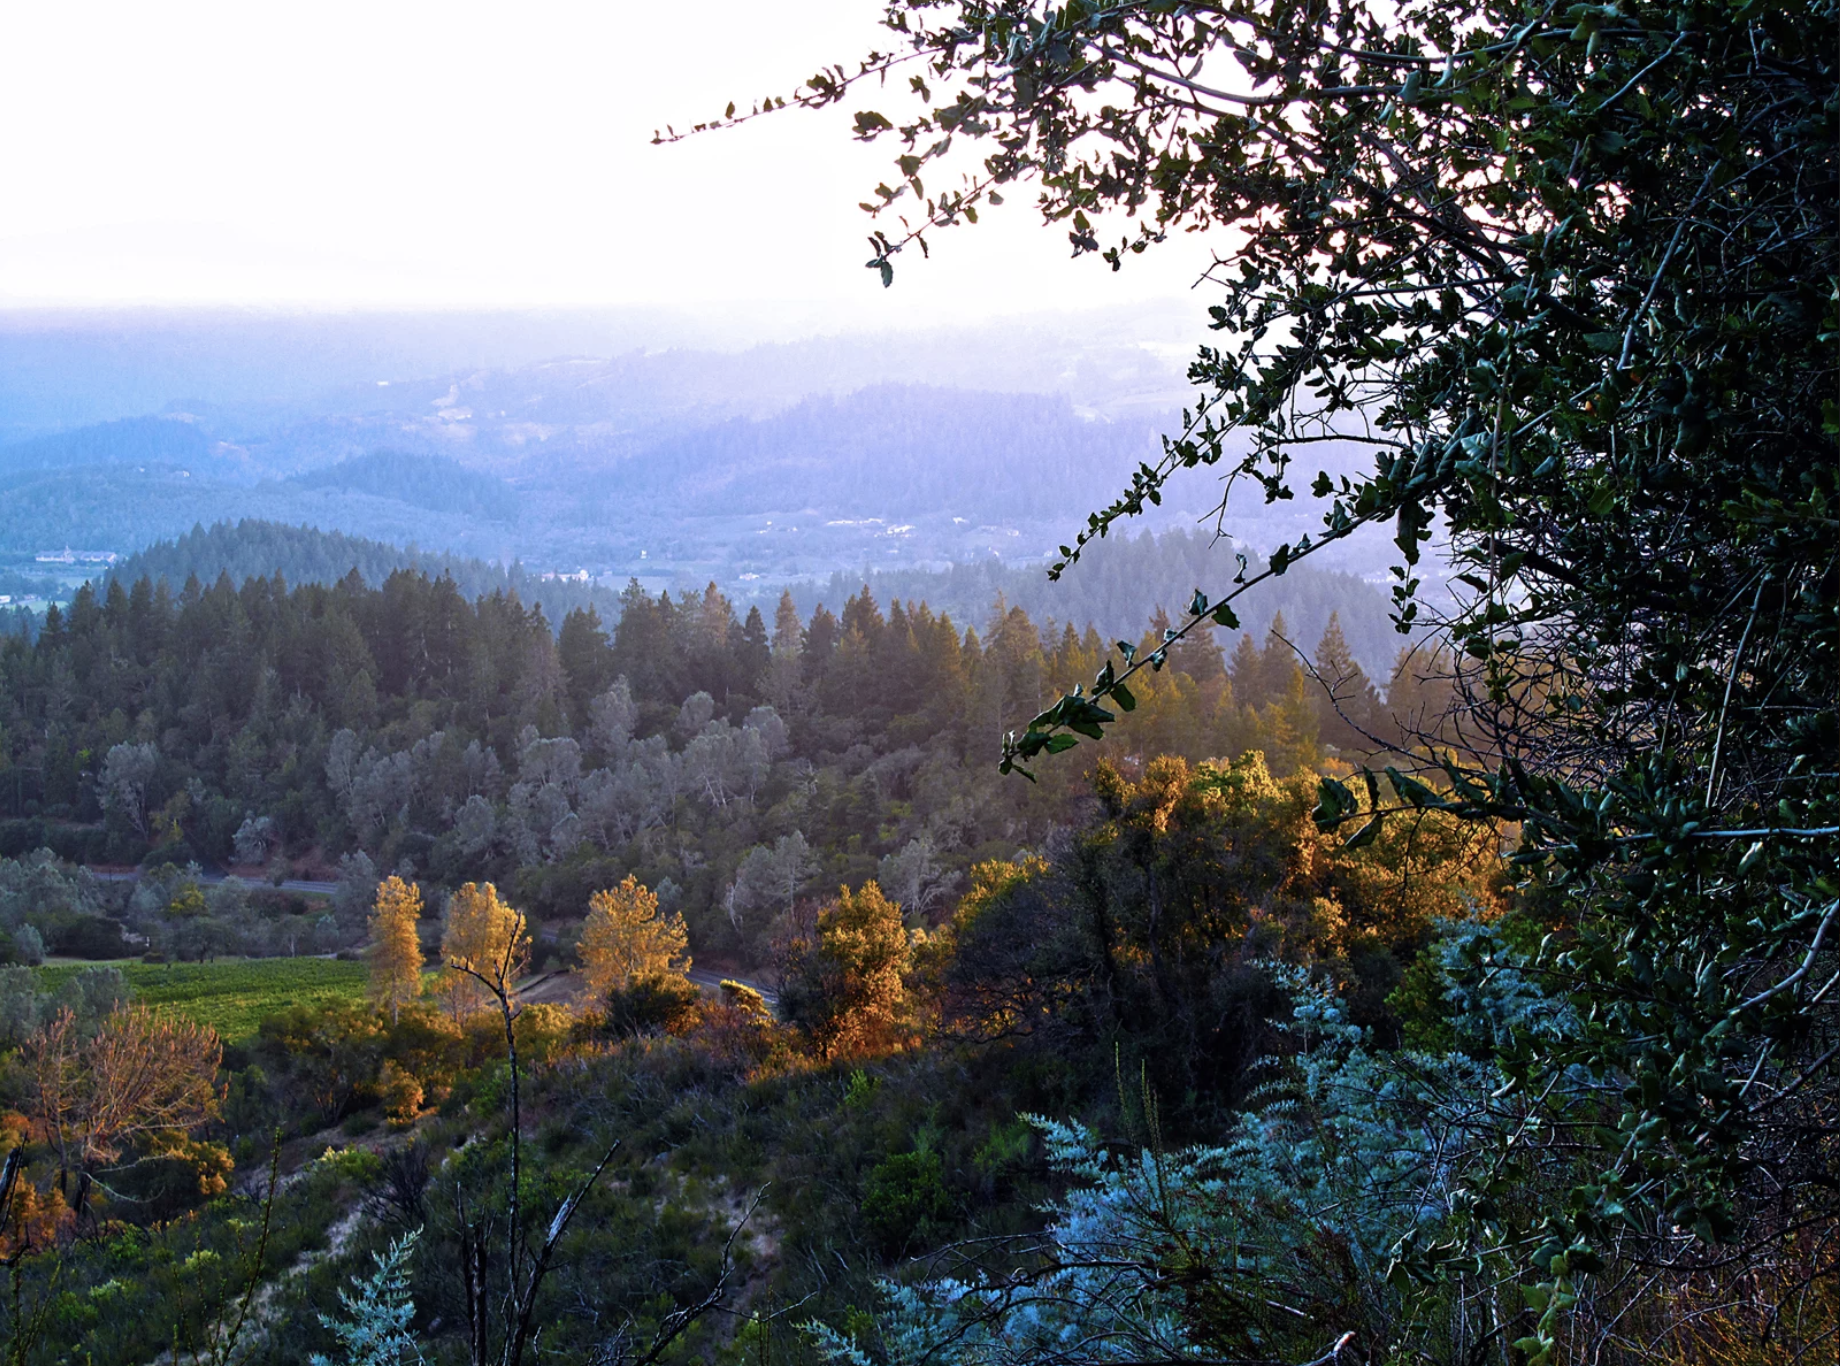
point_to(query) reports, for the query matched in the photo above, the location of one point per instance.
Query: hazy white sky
(334, 154)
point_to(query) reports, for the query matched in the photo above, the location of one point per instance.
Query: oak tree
(141, 1078)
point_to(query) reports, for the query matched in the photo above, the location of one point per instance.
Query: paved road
(291, 885)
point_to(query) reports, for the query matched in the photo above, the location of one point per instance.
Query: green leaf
(1126, 701)
(1366, 835)
(1333, 801)
(1411, 790)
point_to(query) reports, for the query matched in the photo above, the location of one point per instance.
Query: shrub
(664, 1003)
(905, 1202)
(400, 1092)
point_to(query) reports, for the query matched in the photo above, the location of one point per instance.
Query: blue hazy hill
(435, 482)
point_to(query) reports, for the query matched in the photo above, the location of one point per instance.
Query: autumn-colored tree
(143, 1078)
(847, 984)
(34, 1218)
(401, 1092)
(485, 936)
(625, 939)
(396, 947)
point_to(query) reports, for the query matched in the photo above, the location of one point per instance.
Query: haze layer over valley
(674, 448)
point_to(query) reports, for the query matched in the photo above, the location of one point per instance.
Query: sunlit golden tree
(626, 939)
(396, 947)
(143, 1077)
(845, 985)
(482, 935)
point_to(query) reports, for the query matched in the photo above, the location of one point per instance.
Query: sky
(405, 155)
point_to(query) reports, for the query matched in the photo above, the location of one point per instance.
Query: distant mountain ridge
(782, 463)
(900, 451)
(906, 474)
(129, 441)
(62, 369)
(435, 482)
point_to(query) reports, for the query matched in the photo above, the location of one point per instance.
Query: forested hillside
(127, 441)
(1127, 579)
(897, 452)
(411, 729)
(299, 554)
(434, 482)
(807, 804)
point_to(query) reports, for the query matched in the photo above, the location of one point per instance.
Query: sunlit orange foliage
(142, 1077)
(482, 935)
(626, 939)
(396, 947)
(35, 1219)
(863, 954)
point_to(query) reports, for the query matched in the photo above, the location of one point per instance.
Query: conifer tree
(1247, 672)
(396, 948)
(787, 629)
(1200, 657)
(586, 657)
(625, 939)
(1346, 703)
(820, 640)
(752, 653)
(1420, 695)
(1278, 667)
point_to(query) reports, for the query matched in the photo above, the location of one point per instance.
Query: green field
(233, 996)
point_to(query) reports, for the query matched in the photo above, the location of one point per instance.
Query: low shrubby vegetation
(871, 1105)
